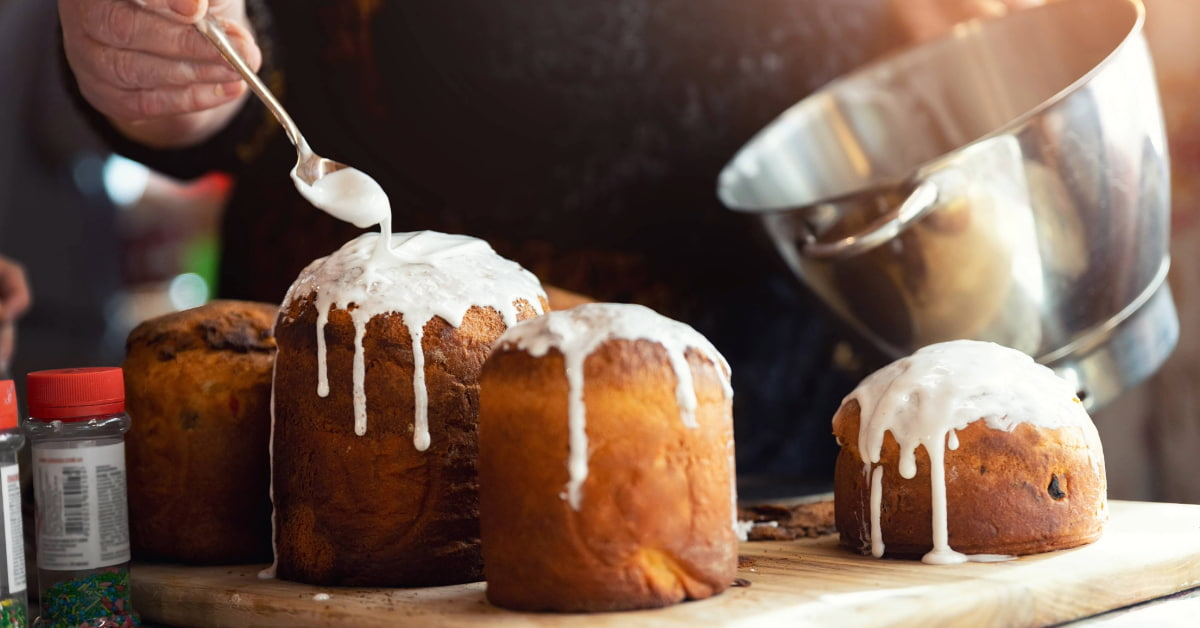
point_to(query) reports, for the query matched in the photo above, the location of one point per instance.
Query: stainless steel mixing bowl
(1007, 182)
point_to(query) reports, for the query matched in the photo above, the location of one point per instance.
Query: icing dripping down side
(876, 502)
(269, 572)
(423, 275)
(923, 399)
(577, 332)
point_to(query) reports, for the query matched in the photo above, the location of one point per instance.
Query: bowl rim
(903, 57)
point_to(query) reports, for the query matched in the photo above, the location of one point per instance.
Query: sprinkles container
(13, 610)
(77, 429)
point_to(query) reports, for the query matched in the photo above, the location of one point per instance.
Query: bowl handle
(920, 202)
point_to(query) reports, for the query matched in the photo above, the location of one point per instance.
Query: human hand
(14, 300)
(143, 64)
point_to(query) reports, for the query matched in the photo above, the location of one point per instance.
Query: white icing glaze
(347, 194)
(924, 398)
(425, 274)
(742, 528)
(876, 502)
(577, 332)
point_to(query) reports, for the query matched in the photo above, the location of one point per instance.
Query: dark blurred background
(108, 243)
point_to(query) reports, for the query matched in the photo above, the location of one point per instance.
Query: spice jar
(13, 611)
(77, 429)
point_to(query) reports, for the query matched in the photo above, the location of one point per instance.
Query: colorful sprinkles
(99, 600)
(13, 613)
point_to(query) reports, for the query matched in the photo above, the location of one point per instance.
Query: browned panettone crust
(372, 510)
(655, 524)
(198, 390)
(1022, 492)
(788, 522)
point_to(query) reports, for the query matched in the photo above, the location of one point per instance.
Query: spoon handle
(211, 28)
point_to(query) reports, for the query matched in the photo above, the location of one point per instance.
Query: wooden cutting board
(1148, 551)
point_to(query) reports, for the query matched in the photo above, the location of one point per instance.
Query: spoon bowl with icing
(344, 192)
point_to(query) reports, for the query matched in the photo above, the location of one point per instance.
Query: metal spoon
(309, 165)
(351, 195)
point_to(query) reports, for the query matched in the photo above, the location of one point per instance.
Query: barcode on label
(75, 505)
(80, 494)
(14, 542)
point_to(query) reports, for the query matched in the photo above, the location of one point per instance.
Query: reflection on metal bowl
(1007, 182)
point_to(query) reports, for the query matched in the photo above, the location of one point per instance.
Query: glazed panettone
(375, 435)
(967, 450)
(198, 387)
(606, 463)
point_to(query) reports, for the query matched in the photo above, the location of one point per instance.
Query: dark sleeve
(236, 144)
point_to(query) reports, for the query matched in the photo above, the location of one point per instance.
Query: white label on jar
(82, 513)
(14, 536)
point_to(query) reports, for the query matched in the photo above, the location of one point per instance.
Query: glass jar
(13, 610)
(76, 429)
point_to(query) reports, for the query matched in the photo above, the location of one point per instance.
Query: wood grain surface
(1148, 551)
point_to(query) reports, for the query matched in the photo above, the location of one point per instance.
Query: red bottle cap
(75, 394)
(8, 405)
